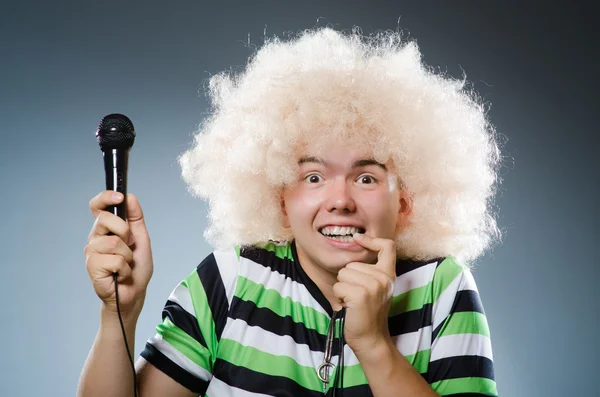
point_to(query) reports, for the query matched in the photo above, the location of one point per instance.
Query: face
(340, 191)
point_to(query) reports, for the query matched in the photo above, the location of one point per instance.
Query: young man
(354, 185)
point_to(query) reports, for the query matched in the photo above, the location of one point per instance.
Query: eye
(313, 178)
(366, 179)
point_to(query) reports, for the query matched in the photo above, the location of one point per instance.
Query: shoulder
(450, 273)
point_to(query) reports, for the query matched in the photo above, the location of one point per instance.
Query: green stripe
(353, 376)
(420, 360)
(272, 300)
(414, 299)
(465, 385)
(184, 343)
(237, 251)
(465, 323)
(280, 251)
(269, 364)
(445, 273)
(202, 310)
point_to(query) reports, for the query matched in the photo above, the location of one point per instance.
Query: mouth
(340, 233)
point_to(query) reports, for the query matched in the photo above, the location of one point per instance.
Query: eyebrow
(356, 164)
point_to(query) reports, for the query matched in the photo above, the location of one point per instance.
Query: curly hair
(322, 85)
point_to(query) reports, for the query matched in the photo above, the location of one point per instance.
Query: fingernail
(117, 196)
(357, 235)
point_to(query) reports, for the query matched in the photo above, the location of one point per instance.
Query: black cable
(338, 384)
(115, 275)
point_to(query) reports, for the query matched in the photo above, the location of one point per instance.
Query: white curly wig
(324, 85)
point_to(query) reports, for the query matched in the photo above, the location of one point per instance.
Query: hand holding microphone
(114, 245)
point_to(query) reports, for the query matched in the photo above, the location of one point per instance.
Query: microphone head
(115, 131)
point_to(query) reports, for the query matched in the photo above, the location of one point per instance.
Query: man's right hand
(126, 252)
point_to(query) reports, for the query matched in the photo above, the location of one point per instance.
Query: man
(354, 185)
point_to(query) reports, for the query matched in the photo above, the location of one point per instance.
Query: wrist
(110, 324)
(373, 350)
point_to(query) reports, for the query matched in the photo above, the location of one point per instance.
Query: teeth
(346, 239)
(340, 230)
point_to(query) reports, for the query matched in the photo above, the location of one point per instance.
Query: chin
(336, 262)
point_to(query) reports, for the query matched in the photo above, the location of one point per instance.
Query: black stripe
(183, 320)
(353, 391)
(268, 259)
(464, 301)
(404, 266)
(209, 274)
(257, 382)
(181, 376)
(460, 367)
(410, 321)
(467, 301)
(270, 321)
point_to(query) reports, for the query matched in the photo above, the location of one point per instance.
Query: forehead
(326, 149)
(347, 154)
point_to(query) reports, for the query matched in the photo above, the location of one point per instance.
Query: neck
(322, 278)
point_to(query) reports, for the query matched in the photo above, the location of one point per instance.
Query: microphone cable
(115, 275)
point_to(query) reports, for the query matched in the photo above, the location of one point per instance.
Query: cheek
(302, 205)
(384, 213)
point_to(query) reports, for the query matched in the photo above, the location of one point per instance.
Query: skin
(337, 189)
(343, 186)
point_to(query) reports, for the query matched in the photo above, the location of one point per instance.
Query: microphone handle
(115, 168)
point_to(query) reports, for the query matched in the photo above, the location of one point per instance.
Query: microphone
(115, 136)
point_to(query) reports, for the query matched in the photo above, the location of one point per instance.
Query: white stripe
(229, 266)
(268, 342)
(442, 307)
(414, 279)
(413, 342)
(462, 345)
(181, 296)
(468, 282)
(218, 388)
(178, 358)
(285, 286)
(407, 344)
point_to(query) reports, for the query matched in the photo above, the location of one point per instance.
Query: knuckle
(113, 242)
(390, 244)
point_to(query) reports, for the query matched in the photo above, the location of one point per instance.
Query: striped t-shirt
(250, 322)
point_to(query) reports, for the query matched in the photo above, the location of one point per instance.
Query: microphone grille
(115, 131)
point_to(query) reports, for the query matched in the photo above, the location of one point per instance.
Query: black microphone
(115, 136)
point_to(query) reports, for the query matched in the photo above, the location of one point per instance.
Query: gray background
(65, 65)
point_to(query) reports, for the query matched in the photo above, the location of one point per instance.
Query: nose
(339, 196)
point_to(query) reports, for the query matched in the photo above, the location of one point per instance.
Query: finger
(110, 245)
(363, 271)
(103, 200)
(349, 294)
(385, 248)
(102, 265)
(135, 218)
(107, 223)
(361, 274)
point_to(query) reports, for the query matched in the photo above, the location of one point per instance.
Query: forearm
(390, 374)
(107, 370)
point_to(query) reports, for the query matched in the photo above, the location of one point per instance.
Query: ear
(286, 220)
(405, 211)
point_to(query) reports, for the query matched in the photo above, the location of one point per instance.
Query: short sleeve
(461, 361)
(193, 318)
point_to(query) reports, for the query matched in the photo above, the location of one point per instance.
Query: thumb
(135, 218)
